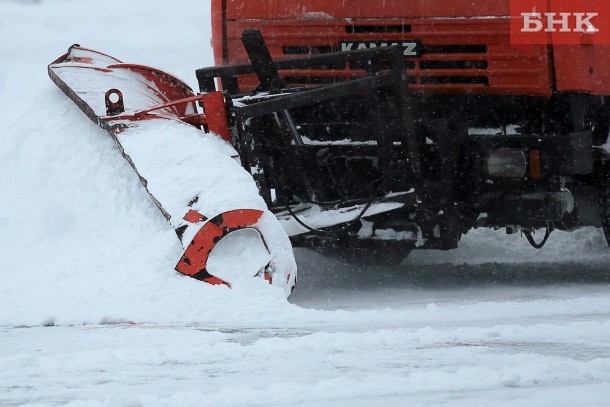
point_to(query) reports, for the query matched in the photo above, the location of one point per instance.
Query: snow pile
(82, 243)
(80, 240)
(180, 163)
(186, 169)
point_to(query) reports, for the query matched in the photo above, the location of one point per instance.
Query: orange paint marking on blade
(193, 216)
(194, 260)
(241, 218)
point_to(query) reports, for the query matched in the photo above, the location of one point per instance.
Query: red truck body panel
(466, 44)
(356, 9)
(582, 68)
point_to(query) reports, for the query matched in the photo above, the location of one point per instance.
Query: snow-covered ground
(92, 313)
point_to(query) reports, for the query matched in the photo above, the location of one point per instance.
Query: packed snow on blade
(225, 228)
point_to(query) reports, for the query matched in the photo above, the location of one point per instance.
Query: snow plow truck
(372, 128)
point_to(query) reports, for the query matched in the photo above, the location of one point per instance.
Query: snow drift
(81, 242)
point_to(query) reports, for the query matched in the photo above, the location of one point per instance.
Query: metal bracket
(116, 107)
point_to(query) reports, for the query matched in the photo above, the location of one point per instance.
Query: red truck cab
(465, 45)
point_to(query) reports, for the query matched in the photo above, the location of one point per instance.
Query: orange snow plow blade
(156, 123)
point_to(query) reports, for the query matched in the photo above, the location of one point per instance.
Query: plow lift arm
(309, 183)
